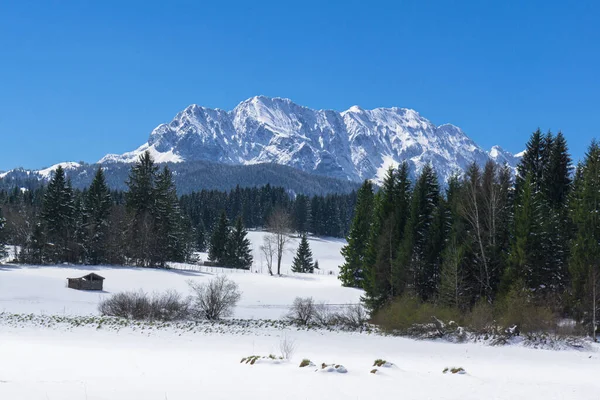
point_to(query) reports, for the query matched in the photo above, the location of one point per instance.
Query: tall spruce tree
(169, 239)
(238, 248)
(2, 235)
(423, 239)
(354, 253)
(454, 285)
(58, 215)
(378, 263)
(525, 266)
(303, 261)
(96, 214)
(140, 203)
(217, 251)
(585, 248)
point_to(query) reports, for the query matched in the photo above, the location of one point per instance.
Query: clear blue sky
(81, 79)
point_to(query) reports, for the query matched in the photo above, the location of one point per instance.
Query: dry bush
(287, 347)
(168, 306)
(517, 309)
(352, 316)
(481, 317)
(324, 315)
(303, 311)
(215, 299)
(406, 312)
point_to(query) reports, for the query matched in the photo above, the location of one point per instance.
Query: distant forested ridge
(194, 176)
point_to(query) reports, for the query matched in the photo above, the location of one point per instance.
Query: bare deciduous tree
(303, 311)
(215, 299)
(268, 250)
(287, 347)
(279, 226)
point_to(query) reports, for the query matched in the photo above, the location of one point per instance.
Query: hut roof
(91, 277)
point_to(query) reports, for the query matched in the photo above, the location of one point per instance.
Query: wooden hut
(90, 281)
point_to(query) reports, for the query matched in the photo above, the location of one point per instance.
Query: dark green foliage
(384, 277)
(354, 253)
(2, 234)
(303, 261)
(423, 239)
(58, 216)
(169, 239)
(217, 251)
(585, 248)
(139, 203)
(238, 248)
(96, 220)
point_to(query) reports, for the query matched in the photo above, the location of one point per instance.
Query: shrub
(287, 347)
(517, 309)
(215, 299)
(306, 363)
(352, 316)
(407, 312)
(481, 317)
(303, 311)
(168, 306)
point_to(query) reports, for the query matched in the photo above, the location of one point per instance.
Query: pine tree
(169, 239)
(2, 235)
(524, 262)
(139, 201)
(354, 253)
(303, 261)
(217, 251)
(585, 248)
(34, 251)
(58, 216)
(239, 250)
(96, 212)
(422, 244)
(454, 282)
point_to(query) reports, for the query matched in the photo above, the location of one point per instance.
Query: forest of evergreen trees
(148, 224)
(486, 239)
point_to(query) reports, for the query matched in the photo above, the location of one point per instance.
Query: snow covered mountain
(355, 144)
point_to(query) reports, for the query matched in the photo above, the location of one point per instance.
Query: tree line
(485, 237)
(148, 224)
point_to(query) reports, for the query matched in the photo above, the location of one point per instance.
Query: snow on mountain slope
(46, 172)
(355, 144)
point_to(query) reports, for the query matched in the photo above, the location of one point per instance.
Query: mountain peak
(354, 144)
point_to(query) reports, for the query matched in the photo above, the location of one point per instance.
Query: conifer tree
(421, 247)
(454, 285)
(34, 251)
(169, 239)
(217, 251)
(58, 216)
(585, 248)
(524, 263)
(303, 261)
(239, 251)
(139, 203)
(96, 219)
(354, 253)
(2, 235)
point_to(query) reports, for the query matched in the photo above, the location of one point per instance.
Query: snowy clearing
(45, 357)
(86, 363)
(42, 289)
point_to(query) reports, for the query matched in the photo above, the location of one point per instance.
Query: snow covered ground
(42, 289)
(96, 364)
(40, 360)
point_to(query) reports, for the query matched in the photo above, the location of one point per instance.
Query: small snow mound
(333, 368)
(454, 371)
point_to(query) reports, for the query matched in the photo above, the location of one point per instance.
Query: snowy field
(56, 361)
(33, 289)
